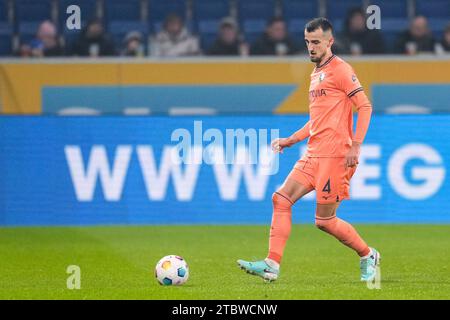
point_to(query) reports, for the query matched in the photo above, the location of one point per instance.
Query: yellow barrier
(21, 82)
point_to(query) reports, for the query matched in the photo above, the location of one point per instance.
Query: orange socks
(281, 225)
(344, 232)
(281, 229)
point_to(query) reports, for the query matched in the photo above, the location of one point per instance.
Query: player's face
(318, 44)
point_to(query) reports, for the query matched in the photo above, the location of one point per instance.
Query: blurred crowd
(175, 40)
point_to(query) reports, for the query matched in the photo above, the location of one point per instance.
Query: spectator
(417, 39)
(174, 40)
(444, 45)
(25, 51)
(228, 42)
(133, 45)
(357, 39)
(46, 43)
(94, 42)
(275, 40)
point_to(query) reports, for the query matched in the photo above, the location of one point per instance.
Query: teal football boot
(259, 268)
(369, 266)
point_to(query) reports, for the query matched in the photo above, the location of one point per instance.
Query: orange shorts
(328, 176)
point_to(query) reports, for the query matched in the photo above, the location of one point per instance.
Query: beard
(317, 59)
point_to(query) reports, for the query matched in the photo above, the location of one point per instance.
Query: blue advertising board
(411, 98)
(121, 170)
(159, 99)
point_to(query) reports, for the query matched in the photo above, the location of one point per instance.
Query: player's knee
(325, 224)
(281, 201)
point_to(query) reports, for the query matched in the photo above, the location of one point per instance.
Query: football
(172, 271)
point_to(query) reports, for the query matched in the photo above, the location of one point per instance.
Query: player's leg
(280, 228)
(296, 185)
(333, 186)
(326, 220)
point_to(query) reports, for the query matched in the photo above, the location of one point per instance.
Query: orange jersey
(330, 107)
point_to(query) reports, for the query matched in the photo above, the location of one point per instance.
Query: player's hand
(279, 144)
(351, 159)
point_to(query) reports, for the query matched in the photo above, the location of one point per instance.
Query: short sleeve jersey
(331, 116)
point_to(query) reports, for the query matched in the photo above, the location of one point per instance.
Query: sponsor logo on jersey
(317, 93)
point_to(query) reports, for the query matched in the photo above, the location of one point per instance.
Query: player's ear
(330, 42)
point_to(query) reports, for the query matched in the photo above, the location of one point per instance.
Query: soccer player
(331, 158)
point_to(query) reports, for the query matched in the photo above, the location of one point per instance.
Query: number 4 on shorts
(327, 187)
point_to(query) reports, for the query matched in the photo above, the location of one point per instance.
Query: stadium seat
(394, 20)
(253, 28)
(210, 9)
(158, 10)
(207, 31)
(119, 10)
(208, 26)
(207, 13)
(253, 16)
(252, 37)
(336, 11)
(437, 26)
(391, 29)
(206, 18)
(5, 45)
(32, 10)
(390, 40)
(207, 40)
(295, 9)
(394, 24)
(391, 9)
(124, 27)
(256, 9)
(298, 13)
(296, 28)
(27, 30)
(123, 17)
(6, 33)
(338, 25)
(433, 8)
(3, 11)
(28, 16)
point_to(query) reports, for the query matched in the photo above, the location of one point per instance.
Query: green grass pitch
(118, 262)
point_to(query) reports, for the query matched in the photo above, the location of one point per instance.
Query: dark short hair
(319, 23)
